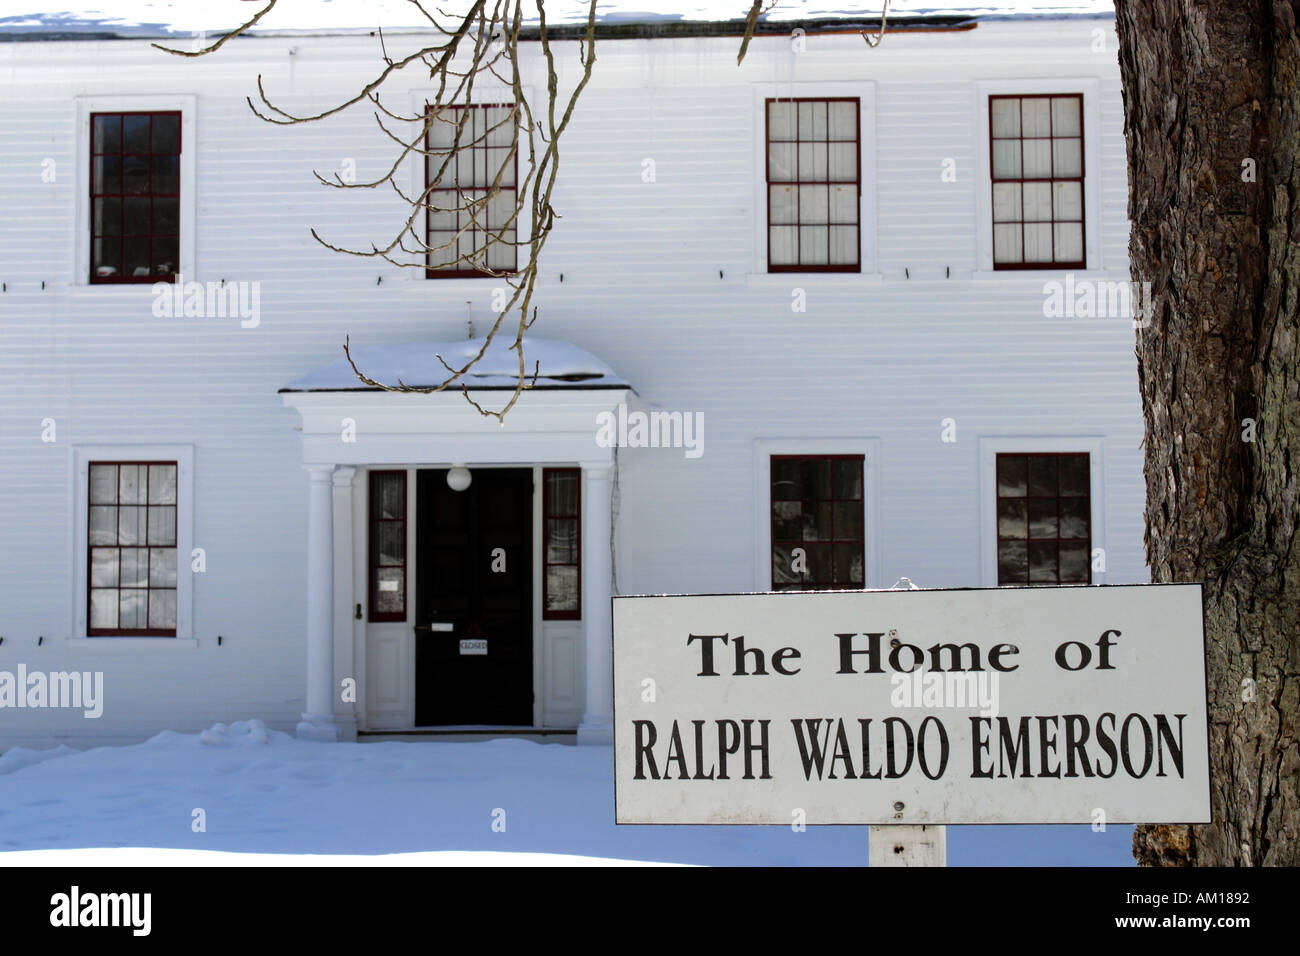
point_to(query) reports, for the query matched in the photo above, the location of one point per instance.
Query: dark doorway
(474, 599)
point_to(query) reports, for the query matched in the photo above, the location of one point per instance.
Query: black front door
(474, 599)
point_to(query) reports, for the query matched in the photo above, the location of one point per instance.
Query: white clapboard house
(837, 316)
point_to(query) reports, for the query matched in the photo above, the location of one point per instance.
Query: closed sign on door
(473, 642)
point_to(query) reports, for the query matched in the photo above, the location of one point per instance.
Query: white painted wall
(877, 357)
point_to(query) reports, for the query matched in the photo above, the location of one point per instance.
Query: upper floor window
(817, 522)
(814, 184)
(1036, 150)
(1044, 513)
(132, 548)
(471, 163)
(135, 196)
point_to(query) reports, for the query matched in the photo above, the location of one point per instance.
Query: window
(132, 548)
(562, 553)
(813, 185)
(135, 172)
(471, 163)
(1036, 155)
(1043, 518)
(817, 522)
(387, 546)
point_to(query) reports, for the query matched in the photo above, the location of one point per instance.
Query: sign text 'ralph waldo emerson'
(1008, 705)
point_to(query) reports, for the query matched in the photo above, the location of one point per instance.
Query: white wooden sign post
(909, 708)
(907, 846)
(902, 845)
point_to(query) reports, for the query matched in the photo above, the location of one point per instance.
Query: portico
(361, 663)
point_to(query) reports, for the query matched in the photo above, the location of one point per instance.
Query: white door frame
(392, 430)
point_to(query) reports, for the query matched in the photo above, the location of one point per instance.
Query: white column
(345, 711)
(318, 722)
(597, 725)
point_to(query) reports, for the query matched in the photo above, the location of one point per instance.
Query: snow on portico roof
(21, 19)
(558, 365)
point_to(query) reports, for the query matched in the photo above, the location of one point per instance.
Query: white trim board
(865, 92)
(86, 105)
(989, 447)
(183, 455)
(1090, 87)
(487, 89)
(765, 448)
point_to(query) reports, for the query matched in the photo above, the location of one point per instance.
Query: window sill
(123, 289)
(1039, 275)
(790, 279)
(175, 643)
(420, 283)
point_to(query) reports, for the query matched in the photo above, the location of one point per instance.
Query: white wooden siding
(885, 357)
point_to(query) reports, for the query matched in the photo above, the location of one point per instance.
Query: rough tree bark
(1212, 122)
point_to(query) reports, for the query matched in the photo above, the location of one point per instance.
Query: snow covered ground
(266, 793)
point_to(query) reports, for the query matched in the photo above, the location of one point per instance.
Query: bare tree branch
(751, 21)
(481, 44)
(212, 48)
(758, 9)
(884, 15)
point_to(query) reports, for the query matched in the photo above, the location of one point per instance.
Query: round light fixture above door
(458, 478)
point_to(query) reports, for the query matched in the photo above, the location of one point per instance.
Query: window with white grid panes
(1036, 157)
(814, 185)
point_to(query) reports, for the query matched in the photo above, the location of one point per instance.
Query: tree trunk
(1212, 122)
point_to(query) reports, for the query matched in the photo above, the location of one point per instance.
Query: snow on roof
(558, 365)
(153, 18)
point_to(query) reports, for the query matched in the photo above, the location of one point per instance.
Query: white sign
(473, 646)
(1007, 705)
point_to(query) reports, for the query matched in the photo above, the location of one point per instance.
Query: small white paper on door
(388, 585)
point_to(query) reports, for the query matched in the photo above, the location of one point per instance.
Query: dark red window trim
(461, 272)
(1083, 212)
(1027, 497)
(776, 541)
(375, 519)
(547, 517)
(145, 631)
(119, 194)
(855, 266)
